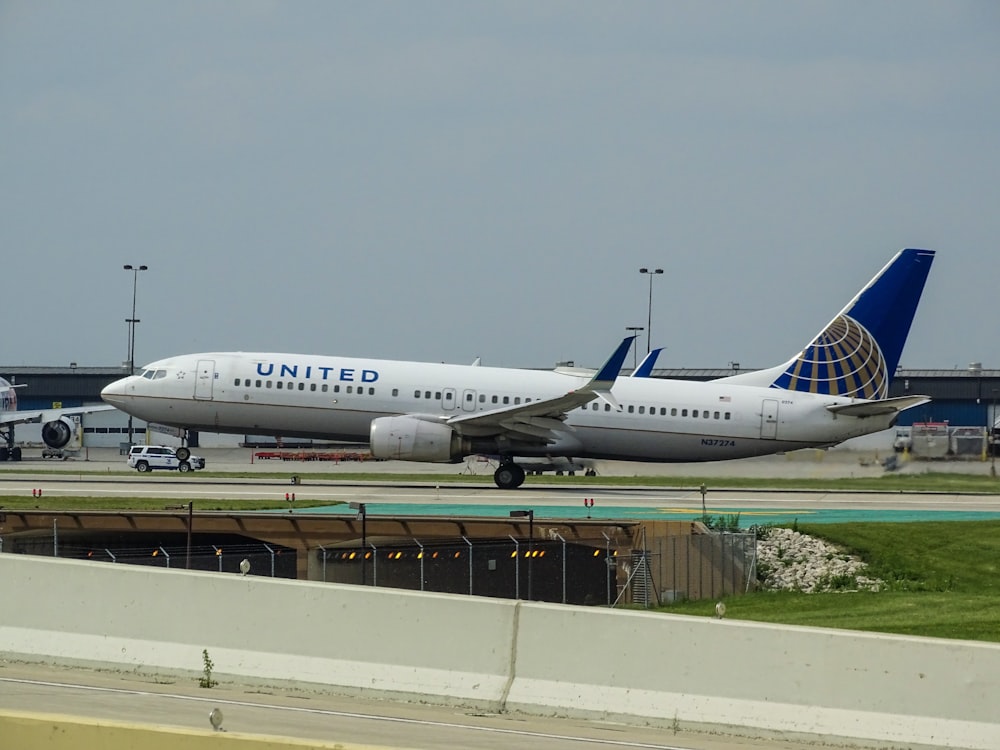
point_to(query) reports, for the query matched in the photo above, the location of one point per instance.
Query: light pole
(634, 330)
(976, 368)
(651, 272)
(131, 331)
(991, 441)
(530, 514)
(362, 516)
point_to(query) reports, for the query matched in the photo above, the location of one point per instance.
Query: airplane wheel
(508, 476)
(15, 454)
(183, 453)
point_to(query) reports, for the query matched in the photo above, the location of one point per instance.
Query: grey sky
(441, 180)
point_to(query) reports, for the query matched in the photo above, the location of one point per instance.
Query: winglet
(645, 368)
(606, 376)
(602, 382)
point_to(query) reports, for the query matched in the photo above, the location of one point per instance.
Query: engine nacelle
(411, 439)
(58, 433)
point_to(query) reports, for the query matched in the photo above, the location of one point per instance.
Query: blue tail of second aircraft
(856, 354)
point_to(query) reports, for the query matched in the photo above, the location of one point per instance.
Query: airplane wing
(25, 416)
(877, 408)
(539, 420)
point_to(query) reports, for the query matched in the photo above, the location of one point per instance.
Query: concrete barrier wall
(381, 640)
(830, 683)
(528, 656)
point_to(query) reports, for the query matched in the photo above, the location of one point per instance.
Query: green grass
(943, 582)
(974, 617)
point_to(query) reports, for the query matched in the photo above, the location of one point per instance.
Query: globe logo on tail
(844, 360)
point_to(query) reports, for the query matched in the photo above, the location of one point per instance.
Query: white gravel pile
(790, 561)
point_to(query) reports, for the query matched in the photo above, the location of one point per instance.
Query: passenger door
(205, 378)
(769, 419)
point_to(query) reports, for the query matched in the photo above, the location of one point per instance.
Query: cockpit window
(154, 374)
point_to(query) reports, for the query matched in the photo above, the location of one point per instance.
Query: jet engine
(412, 439)
(58, 432)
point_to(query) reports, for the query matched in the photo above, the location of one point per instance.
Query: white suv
(145, 458)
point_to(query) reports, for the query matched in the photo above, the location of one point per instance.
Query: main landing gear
(509, 476)
(9, 451)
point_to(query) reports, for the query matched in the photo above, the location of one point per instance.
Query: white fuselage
(337, 398)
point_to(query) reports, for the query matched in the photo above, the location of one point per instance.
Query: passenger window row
(291, 386)
(674, 411)
(482, 397)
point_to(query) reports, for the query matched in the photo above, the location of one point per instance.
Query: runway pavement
(319, 715)
(384, 494)
(833, 463)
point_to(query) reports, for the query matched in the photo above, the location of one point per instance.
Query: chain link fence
(653, 572)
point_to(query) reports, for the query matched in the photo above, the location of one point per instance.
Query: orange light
(218, 552)
(156, 552)
(368, 555)
(434, 555)
(458, 555)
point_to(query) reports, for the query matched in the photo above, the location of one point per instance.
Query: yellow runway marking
(691, 512)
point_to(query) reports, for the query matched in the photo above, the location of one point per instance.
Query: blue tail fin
(857, 353)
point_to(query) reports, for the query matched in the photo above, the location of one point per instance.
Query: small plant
(763, 571)
(206, 680)
(724, 523)
(837, 582)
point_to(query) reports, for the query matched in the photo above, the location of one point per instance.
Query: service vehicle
(145, 458)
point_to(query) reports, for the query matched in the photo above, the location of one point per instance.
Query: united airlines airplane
(834, 389)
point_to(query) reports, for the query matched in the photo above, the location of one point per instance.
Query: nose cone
(116, 393)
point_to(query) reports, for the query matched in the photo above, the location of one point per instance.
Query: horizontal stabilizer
(878, 408)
